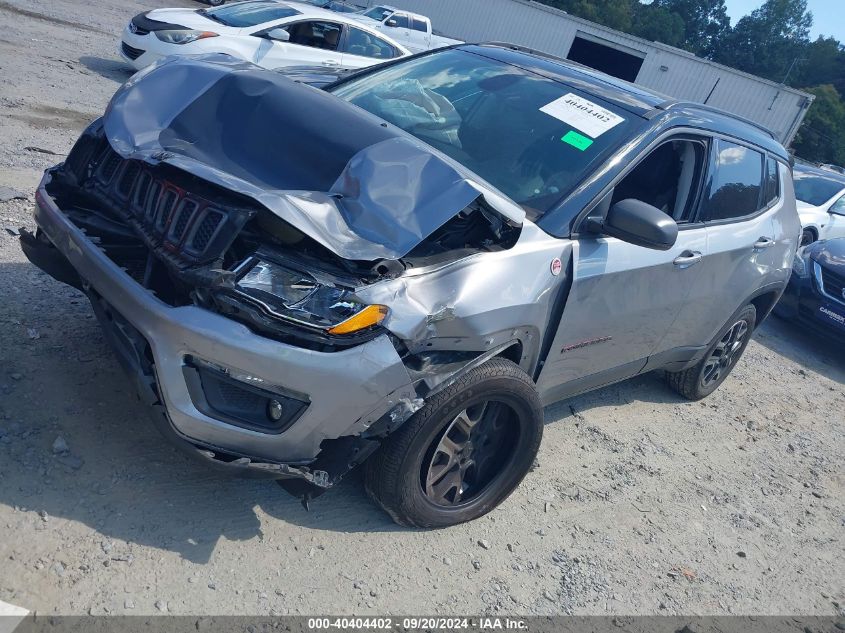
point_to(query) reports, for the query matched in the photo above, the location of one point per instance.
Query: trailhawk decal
(583, 115)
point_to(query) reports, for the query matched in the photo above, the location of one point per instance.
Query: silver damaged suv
(399, 268)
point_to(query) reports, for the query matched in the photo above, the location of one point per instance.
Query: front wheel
(702, 379)
(463, 453)
(215, 3)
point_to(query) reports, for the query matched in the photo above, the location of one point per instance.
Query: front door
(310, 43)
(836, 225)
(625, 298)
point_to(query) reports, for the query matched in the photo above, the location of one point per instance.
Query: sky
(828, 15)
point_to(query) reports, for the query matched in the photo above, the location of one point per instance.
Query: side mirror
(391, 22)
(278, 34)
(638, 223)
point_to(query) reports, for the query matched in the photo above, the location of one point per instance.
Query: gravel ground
(642, 503)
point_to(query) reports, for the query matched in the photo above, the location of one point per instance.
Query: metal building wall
(666, 70)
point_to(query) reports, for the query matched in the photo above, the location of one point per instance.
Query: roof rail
(525, 49)
(667, 105)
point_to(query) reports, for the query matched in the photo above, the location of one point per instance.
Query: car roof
(636, 99)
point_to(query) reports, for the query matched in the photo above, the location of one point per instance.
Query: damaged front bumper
(342, 398)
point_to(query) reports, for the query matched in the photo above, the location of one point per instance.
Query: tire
(808, 236)
(500, 406)
(699, 381)
(215, 3)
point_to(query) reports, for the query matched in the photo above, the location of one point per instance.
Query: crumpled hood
(360, 187)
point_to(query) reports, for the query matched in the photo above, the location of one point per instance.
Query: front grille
(833, 283)
(131, 52)
(189, 226)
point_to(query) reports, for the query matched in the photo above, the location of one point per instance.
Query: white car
(410, 29)
(268, 33)
(821, 203)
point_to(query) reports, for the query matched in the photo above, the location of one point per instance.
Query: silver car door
(625, 298)
(747, 242)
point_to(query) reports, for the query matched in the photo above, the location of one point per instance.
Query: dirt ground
(642, 503)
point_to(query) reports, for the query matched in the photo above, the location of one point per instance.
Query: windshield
(246, 14)
(531, 137)
(379, 13)
(815, 189)
(340, 7)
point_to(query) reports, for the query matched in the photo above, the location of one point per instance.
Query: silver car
(402, 268)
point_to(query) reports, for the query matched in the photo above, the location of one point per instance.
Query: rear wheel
(463, 453)
(702, 379)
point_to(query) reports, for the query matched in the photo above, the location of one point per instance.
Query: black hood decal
(357, 185)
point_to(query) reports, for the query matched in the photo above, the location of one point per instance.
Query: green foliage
(705, 22)
(771, 42)
(822, 136)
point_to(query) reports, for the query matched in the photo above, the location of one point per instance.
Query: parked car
(815, 295)
(821, 203)
(401, 269)
(412, 30)
(268, 33)
(333, 5)
(831, 167)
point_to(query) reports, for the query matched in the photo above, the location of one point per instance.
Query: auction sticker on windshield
(583, 115)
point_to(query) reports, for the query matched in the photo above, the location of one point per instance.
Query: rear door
(745, 247)
(625, 298)
(361, 48)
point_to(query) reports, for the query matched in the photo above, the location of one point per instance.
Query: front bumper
(347, 391)
(139, 51)
(803, 302)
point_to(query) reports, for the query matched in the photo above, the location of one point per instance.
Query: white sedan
(269, 33)
(821, 203)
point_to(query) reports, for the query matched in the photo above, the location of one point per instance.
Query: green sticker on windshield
(578, 141)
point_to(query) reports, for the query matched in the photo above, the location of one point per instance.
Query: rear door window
(366, 44)
(736, 182)
(418, 25)
(772, 190)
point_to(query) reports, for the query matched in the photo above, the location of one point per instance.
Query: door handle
(687, 259)
(330, 62)
(763, 243)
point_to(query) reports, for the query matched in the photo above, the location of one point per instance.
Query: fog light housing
(275, 410)
(240, 398)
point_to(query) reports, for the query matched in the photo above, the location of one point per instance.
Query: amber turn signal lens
(369, 316)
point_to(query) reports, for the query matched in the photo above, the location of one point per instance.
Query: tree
(656, 23)
(821, 137)
(770, 40)
(824, 62)
(706, 24)
(616, 14)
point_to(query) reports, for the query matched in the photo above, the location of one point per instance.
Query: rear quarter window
(736, 182)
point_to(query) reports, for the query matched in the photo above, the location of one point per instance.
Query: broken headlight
(182, 36)
(292, 296)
